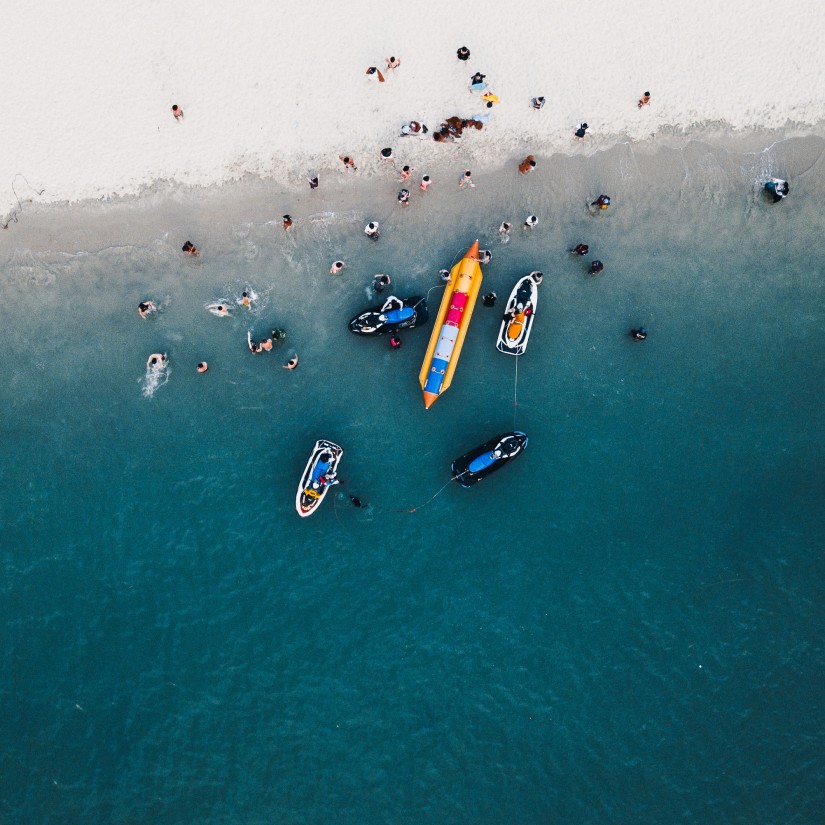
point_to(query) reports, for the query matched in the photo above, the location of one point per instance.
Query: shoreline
(166, 208)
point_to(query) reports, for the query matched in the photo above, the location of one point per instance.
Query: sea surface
(625, 625)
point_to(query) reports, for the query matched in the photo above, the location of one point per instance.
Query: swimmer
(287, 222)
(580, 249)
(156, 361)
(425, 183)
(246, 300)
(505, 228)
(292, 363)
(404, 197)
(278, 334)
(379, 282)
(267, 344)
(595, 268)
(485, 256)
(602, 202)
(638, 334)
(778, 189)
(190, 249)
(531, 221)
(221, 310)
(357, 502)
(145, 308)
(203, 366)
(489, 300)
(371, 230)
(395, 342)
(537, 276)
(444, 275)
(253, 347)
(336, 267)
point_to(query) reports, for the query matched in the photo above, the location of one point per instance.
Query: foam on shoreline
(272, 92)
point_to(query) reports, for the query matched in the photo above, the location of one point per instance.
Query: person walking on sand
(425, 183)
(190, 249)
(527, 165)
(404, 197)
(336, 268)
(313, 181)
(644, 100)
(463, 53)
(477, 83)
(392, 62)
(177, 112)
(292, 363)
(386, 154)
(467, 180)
(581, 131)
(287, 223)
(348, 162)
(373, 73)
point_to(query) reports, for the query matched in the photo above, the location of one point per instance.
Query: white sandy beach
(276, 90)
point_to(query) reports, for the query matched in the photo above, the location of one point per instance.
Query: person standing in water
(292, 363)
(146, 308)
(190, 249)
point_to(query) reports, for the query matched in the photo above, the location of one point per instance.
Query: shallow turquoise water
(624, 625)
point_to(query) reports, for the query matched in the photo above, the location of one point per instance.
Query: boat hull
(477, 464)
(519, 315)
(312, 488)
(388, 318)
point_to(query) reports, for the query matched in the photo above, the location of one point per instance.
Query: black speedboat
(394, 314)
(476, 465)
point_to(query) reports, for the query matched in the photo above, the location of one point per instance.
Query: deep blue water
(624, 625)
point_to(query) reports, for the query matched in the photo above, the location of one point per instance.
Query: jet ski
(394, 314)
(476, 465)
(318, 476)
(518, 316)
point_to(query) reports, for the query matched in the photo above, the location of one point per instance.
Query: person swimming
(489, 300)
(638, 334)
(203, 366)
(602, 202)
(357, 502)
(336, 267)
(537, 276)
(253, 346)
(219, 309)
(778, 189)
(485, 256)
(380, 282)
(292, 363)
(190, 249)
(580, 249)
(278, 334)
(156, 361)
(146, 308)
(444, 276)
(395, 342)
(595, 268)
